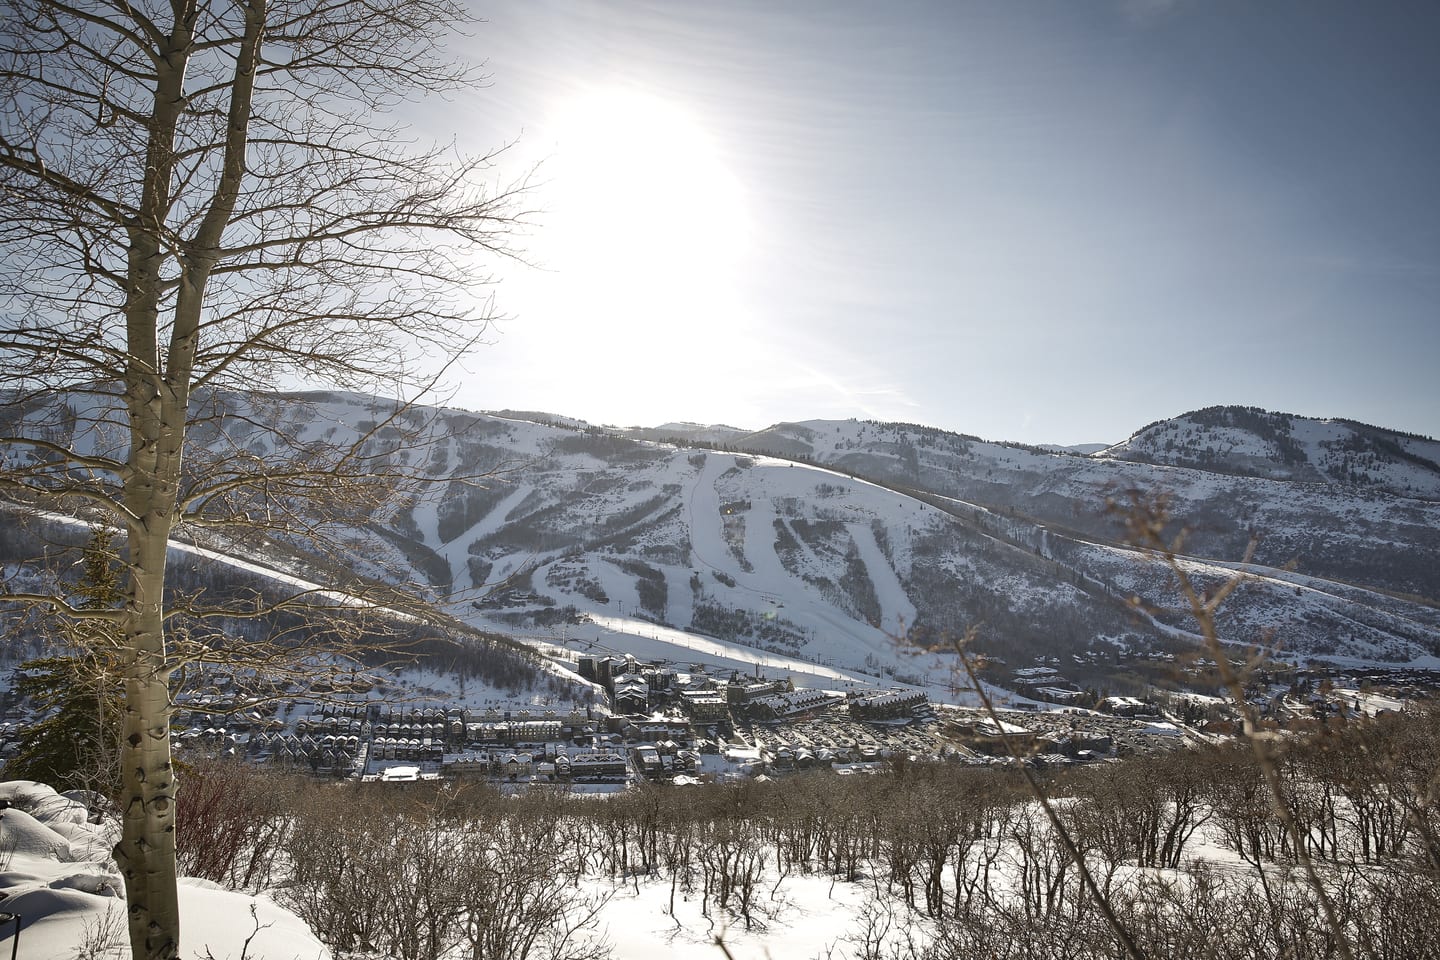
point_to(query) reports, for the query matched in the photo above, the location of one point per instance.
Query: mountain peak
(1250, 441)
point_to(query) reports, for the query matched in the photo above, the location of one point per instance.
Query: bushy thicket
(466, 504)
(963, 860)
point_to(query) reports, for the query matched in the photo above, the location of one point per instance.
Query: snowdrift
(57, 876)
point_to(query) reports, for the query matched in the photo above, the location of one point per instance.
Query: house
(705, 706)
(631, 694)
(1031, 677)
(988, 737)
(1058, 694)
(647, 758)
(741, 691)
(508, 732)
(515, 766)
(400, 774)
(778, 705)
(467, 765)
(1127, 707)
(656, 729)
(888, 706)
(592, 765)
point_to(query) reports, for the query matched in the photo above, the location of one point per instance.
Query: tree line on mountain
(605, 446)
(1275, 429)
(1375, 441)
(650, 586)
(466, 504)
(568, 526)
(767, 631)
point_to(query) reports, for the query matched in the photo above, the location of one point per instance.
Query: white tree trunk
(146, 852)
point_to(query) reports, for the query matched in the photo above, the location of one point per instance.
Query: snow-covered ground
(803, 917)
(58, 878)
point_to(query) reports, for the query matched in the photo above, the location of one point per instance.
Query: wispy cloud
(862, 394)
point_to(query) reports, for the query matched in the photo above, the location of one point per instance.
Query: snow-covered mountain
(1247, 441)
(845, 549)
(1363, 534)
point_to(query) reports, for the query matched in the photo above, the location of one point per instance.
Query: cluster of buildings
(663, 722)
(636, 688)
(1047, 684)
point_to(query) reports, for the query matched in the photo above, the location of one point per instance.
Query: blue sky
(1045, 222)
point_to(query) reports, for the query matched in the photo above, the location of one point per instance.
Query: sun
(641, 301)
(639, 206)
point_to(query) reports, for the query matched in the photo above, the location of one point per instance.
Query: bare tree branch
(196, 197)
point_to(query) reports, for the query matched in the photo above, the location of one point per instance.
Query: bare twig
(1147, 521)
(1102, 902)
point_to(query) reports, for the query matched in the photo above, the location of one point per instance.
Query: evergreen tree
(77, 693)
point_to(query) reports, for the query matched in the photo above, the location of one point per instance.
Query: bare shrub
(233, 823)
(429, 876)
(103, 936)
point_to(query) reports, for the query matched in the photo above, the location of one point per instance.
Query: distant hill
(1248, 441)
(715, 433)
(1085, 449)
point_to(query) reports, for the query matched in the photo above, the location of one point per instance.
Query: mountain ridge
(1250, 441)
(856, 547)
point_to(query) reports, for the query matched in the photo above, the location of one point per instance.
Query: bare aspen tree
(201, 196)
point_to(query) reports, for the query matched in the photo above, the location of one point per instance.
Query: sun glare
(638, 184)
(643, 223)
